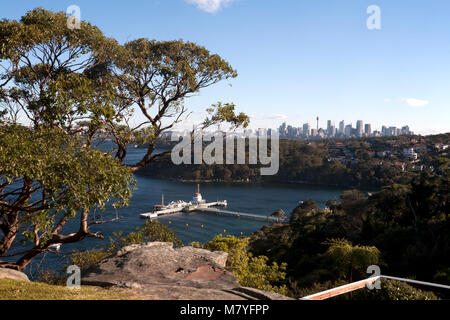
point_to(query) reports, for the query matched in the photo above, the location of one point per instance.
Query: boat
(149, 215)
(197, 199)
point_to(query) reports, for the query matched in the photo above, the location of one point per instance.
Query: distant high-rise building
(332, 131)
(384, 131)
(306, 129)
(359, 128)
(317, 123)
(391, 131)
(341, 127)
(368, 129)
(330, 128)
(314, 132)
(348, 130)
(290, 130)
(405, 130)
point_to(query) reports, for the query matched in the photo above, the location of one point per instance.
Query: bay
(257, 198)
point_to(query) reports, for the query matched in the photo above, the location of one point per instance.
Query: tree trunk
(7, 240)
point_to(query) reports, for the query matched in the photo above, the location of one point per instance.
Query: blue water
(257, 198)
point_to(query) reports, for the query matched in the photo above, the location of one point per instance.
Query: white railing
(363, 283)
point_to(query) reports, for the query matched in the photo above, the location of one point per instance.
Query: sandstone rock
(159, 271)
(159, 263)
(13, 274)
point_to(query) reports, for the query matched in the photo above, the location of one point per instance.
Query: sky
(299, 59)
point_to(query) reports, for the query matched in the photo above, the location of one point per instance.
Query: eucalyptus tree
(46, 68)
(74, 85)
(82, 81)
(48, 173)
(48, 178)
(157, 77)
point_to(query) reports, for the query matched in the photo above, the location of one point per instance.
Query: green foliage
(348, 260)
(70, 175)
(394, 290)
(151, 231)
(47, 177)
(51, 65)
(391, 290)
(74, 85)
(86, 259)
(298, 291)
(251, 271)
(224, 112)
(156, 231)
(402, 228)
(50, 277)
(84, 82)
(299, 163)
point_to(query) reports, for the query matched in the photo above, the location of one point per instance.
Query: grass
(22, 290)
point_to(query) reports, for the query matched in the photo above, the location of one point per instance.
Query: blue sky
(298, 59)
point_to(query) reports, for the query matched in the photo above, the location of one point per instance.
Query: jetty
(241, 214)
(200, 205)
(196, 203)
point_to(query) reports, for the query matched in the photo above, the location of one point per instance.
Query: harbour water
(256, 198)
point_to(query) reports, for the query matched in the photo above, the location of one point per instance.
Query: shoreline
(293, 182)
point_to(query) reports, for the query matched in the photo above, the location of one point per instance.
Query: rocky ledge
(159, 271)
(13, 275)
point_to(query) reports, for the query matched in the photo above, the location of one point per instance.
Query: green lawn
(21, 290)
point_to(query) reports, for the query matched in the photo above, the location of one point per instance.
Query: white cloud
(210, 6)
(387, 100)
(415, 102)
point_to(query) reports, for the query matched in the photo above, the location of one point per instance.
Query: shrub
(250, 271)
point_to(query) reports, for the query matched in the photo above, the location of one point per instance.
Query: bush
(86, 259)
(394, 290)
(151, 231)
(250, 271)
(50, 277)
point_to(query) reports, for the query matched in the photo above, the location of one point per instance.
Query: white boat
(197, 199)
(149, 215)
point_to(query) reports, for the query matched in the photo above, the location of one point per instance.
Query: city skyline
(342, 130)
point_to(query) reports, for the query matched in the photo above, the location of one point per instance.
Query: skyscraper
(359, 128)
(330, 128)
(405, 130)
(368, 129)
(283, 129)
(348, 130)
(341, 127)
(306, 129)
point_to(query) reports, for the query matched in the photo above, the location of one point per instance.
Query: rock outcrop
(159, 271)
(13, 274)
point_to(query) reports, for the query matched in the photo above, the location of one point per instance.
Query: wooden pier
(240, 214)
